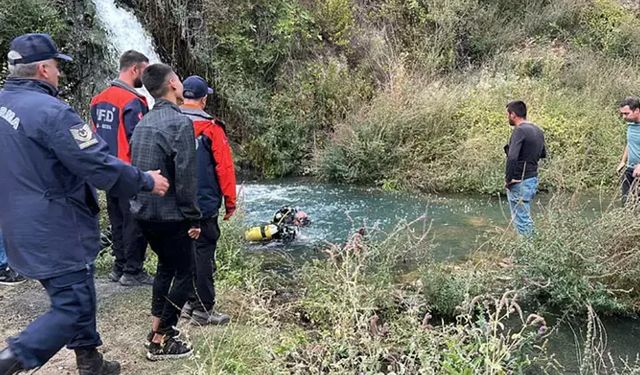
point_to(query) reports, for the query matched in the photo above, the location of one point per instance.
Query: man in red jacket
(216, 179)
(115, 112)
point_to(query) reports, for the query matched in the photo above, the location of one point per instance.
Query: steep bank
(409, 95)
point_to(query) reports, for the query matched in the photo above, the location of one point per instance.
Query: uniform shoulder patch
(83, 135)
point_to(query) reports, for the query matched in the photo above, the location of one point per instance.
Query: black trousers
(628, 186)
(174, 276)
(129, 245)
(205, 265)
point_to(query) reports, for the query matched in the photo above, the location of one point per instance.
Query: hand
(621, 166)
(194, 233)
(229, 212)
(511, 183)
(636, 171)
(160, 183)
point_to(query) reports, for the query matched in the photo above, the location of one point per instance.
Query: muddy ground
(123, 322)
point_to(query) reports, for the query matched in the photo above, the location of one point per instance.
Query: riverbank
(409, 96)
(405, 97)
(386, 305)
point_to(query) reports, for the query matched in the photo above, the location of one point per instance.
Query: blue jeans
(70, 321)
(3, 254)
(520, 196)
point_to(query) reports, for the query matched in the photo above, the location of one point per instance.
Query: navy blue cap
(195, 87)
(29, 48)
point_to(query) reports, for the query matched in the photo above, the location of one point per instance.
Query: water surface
(456, 224)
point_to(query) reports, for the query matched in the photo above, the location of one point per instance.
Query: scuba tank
(261, 233)
(282, 228)
(270, 232)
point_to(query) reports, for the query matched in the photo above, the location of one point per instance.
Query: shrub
(29, 16)
(576, 260)
(74, 31)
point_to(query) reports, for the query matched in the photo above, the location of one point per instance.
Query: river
(456, 224)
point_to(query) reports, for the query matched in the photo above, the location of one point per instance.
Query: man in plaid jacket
(164, 139)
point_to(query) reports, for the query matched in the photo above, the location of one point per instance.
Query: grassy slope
(411, 94)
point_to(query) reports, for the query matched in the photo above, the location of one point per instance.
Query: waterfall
(125, 32)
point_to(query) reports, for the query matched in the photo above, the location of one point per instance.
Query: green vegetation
(74, 30)
(384, 306)
(403, 95)
(410, 95)
(359, 309)
(571, 264)
(350, 312)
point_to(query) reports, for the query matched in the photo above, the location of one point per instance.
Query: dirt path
(123, 322)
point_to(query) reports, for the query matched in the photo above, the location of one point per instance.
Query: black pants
(629, 186)
(129, 245)
(174, 276)
(205, 265)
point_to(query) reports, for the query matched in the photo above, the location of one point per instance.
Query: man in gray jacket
(164, 138)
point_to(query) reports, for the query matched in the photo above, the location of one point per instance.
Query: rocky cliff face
(175, 26)
(92, 68)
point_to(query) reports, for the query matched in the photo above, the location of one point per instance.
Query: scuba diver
(283, 227)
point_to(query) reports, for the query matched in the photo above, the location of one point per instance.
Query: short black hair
(131, 58)
(155, 79)
(631, 101)
(518, 107)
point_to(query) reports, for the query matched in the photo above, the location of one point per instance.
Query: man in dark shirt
(526, 147)
(165, 139)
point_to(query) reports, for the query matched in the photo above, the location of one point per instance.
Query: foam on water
(337, 211)
(125, 32)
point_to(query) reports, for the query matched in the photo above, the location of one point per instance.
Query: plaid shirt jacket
(164, 139)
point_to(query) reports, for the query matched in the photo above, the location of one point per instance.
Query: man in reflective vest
(115, 112)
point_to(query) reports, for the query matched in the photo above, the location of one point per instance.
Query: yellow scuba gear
(261, 233)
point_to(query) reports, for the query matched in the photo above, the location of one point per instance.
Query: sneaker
(139, 279)
(203, 318)
(186, 312)
(106, 240)
(171, 348)
(10, 277)
(115, 276)
(174, 332)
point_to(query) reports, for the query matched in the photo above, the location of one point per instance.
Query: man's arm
(133, 112)
(85, 154)
(623, 160)
(186, 182)
(93, 119)
(515, 145)
(225, 170)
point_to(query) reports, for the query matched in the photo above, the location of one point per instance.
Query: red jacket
(114, 114)
(216, 173)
